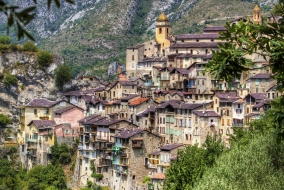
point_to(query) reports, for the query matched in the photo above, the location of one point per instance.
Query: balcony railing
(153, 166)
(31, 140)
(238, 124)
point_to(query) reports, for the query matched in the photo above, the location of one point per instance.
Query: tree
(43, 177)
(63, 75)
(10, 80)
(44, 58)
(4, 120)
(243, 39)
(191, 164)
(60, 154)
(21, 18)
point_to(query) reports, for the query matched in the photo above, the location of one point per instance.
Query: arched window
(160, 30)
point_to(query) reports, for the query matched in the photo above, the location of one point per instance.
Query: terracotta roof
(197, 36)
(207, 113)
(261, 76)
(42, 123)
(138, 101)
(170, 146)
(129, 97)
(42, 102)
(154, 59)
(196, 45)
(215, 28)
(127, 133)
(158, 176)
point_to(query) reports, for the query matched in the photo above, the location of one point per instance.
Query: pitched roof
(129, 97)
(127, 133)
(197, 36)
(88, 118)
(148, 110)
(138, 101)
(261, 76)
(258, 96)
(136, 46)
(262, 103)
(67, 108)
(158, 176)
(273, 88)
(107, 122)
(155, 153)
(73, 93)
(207, 113)
(226, 94)
(178, 104)
(42, 123)
(196, 45)
(153, 59)
(170, 146)
(127, 83)
(42, 102)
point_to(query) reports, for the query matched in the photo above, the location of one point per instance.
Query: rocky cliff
(32, 81)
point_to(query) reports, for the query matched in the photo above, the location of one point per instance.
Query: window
(164, 120)
(247, 110)
(256, 90)
(182, 40)
(186, 137)
(62, 103)
(35, 111)
(176, 51)
(160, 30)
(223, 122)
(132, 75)
(268, 95)
(132, 65)
(256, 82)
(228, 122)
(191, 51)
(239, 105)
(145, 122)
(202, 82)
(46, 139)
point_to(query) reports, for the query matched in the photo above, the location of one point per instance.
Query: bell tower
(163, 29)
(256, 15)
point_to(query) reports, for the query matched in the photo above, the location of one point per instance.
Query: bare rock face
(32, 81)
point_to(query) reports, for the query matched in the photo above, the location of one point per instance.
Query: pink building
(67, 121)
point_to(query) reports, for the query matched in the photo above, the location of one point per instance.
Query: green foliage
(5, 40)
(4, 120)
(89, 184)
(62, 75)
(257, 166)
(97, 176)
(29, 47)
(191, 164)
(60, 154)
(44, 58)
(10, 80)
(146, 180)
(42, 177)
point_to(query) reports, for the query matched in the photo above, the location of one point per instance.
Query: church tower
(163, 28)
(256, 15)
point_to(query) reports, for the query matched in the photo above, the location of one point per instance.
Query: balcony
(148, 84)
(123, 155)
(31, 140)
(152, 166)
(32, 147)
(124, 163)
(81, 132)
(101, 138)
(137, 143)
(214, 89)
(238, 124)
(164, 78)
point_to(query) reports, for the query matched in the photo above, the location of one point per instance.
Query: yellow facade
(163, 32)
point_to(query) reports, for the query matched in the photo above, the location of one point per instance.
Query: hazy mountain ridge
(97, 32)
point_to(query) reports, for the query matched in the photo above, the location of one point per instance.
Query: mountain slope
(96, 32)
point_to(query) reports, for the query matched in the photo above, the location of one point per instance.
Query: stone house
(130, 153)
(238, 113)
(205, 123)
(260, 83)
(179, 79)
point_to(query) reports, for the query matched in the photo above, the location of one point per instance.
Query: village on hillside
(163, 102)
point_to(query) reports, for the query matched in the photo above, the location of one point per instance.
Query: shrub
(44, 58)
(5, 40)
(62, 75)
(29, 47)
(64, 158)
(10, 80)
